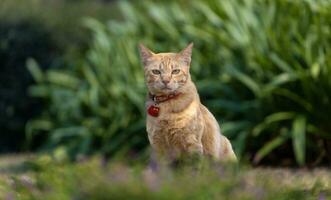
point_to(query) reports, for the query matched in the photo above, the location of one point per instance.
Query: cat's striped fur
(184, 125)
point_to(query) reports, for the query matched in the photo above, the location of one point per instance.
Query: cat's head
(166, 73)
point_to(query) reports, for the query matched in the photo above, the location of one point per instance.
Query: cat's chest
(168, 121)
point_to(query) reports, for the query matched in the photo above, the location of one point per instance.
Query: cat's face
(166, 73)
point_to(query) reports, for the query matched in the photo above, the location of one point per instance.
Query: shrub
(262, 67)
(49, 32)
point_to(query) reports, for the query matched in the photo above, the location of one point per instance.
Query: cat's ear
(145, 53)
(185, 54)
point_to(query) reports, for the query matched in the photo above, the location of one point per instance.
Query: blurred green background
(71, 81)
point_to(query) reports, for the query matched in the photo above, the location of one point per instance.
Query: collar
(163, 98)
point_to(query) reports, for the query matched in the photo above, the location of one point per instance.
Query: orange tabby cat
(177, 122)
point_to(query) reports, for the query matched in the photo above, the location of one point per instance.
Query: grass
(43, 177)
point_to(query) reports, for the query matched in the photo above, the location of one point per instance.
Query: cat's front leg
(194, 145)
(194, 150)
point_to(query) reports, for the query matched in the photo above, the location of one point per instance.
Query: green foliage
(262, 67)
(50, 32)
(96, 107)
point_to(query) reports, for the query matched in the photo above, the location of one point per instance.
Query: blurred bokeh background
(71, 82)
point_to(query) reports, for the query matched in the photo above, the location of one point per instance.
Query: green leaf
(278, 81)
(244, 79)
(291, 95)
(281, 64)
(35, 70)
(269, 147)
(63, 79)
(41, 90)
(34, 126)
(232, 127)
(299, 139)
(275, 117)
(315, 70)
(239, 143)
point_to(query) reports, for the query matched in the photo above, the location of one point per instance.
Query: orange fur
(184, 125)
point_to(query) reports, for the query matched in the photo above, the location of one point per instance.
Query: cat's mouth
(166, 88)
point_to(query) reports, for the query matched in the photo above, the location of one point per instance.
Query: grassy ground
(41, 177)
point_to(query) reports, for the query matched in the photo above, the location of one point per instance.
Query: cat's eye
(155, 71)
(175, 71)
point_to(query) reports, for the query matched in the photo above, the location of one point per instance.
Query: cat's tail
(226, 152)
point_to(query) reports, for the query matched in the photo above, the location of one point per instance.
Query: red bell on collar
(153, 111)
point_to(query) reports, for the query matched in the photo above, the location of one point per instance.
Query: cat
(177, 123)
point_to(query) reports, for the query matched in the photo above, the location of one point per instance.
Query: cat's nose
(166, 82)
